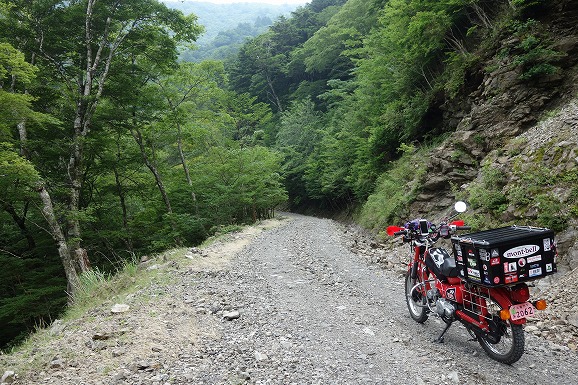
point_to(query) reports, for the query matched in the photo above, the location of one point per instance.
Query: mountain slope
(228, 25)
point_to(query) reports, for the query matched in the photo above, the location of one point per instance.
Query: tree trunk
(75, 177)
(152, 167)
(68, 262)
(275, 100)
(186, 167)
(64, 251)
(90, 84)
(23, 139)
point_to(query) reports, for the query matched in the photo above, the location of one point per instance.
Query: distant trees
(264, 65)
(227, 43)
(371, 73)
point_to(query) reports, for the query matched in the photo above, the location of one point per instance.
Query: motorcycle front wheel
(506, 345)
(416, 300)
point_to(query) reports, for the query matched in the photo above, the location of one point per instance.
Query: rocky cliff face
(513, 151)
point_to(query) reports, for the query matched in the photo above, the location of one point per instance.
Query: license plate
(522, 310)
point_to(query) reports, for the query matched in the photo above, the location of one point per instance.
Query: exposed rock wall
(514, 125)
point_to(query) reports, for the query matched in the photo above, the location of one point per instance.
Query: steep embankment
(504, 120)
(514, 151)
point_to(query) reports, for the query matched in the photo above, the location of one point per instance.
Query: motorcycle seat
(442, 264)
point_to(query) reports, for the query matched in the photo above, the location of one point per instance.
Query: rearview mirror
(460, 206)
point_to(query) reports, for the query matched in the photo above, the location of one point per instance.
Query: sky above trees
(278, 2)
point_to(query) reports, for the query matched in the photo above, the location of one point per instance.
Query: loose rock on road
(312, 312)
(283, 304)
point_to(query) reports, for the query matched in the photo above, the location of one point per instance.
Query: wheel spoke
(416, 301)
(510, 346)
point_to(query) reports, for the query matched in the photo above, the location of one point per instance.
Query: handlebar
(444, 230)
(423, 231)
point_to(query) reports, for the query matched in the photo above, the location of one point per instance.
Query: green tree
(80, 43)
(249, 117)
(299, 133)
(185, 92)
(18, 177)
(260, 69)
(239, 185)
(263, 66)
(327, 50)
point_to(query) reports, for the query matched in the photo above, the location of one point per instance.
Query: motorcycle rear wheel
(509, 347)
(416, 301)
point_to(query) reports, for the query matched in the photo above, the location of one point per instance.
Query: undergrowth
(395, 189)
(96, 289)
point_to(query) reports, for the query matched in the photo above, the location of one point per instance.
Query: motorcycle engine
(433, 294)
(444, 308)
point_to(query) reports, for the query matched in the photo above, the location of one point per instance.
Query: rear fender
(501, 296)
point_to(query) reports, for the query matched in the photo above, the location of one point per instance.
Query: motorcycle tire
(506, 345)
(416, 301)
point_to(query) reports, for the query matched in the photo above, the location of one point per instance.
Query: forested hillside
(357, 85)
(227, 26)
(110, 148)
(383, 109)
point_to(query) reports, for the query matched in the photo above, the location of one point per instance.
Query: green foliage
(326, 51)
(399, 70)
(395, 189)
(487, 193)
(32, 295)
(528, 194)
(551, 212)
(15, 105)
(264, 67)
(297, 138)
(18, 174)
(529, 50)
(457, 66)
(13, 64)
(238, 185)
(249, 116)
(528, 8)
(525, 3)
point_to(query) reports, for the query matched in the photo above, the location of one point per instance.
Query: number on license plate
(522, 310)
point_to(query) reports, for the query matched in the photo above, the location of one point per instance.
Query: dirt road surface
(289, 303)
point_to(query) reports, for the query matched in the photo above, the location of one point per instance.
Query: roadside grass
(135, 283)
(97, 290)
(395, 190)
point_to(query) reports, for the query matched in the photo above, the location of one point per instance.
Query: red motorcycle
(483, 285)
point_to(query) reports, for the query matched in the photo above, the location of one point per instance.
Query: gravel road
(289, 304)
(313, 312)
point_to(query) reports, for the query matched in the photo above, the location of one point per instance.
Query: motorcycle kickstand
(440, 339)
